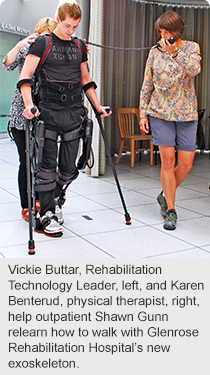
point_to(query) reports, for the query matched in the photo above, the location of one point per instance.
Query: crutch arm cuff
(89, 85)
(23, 82)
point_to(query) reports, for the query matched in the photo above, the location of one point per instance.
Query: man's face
(67, 27)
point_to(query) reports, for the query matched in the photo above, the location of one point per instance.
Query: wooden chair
(127, 117)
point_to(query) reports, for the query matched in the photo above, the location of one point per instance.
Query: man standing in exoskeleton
(62, 78)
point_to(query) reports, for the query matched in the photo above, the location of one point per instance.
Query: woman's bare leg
(168, 177)
(172, 177)
(185, 163)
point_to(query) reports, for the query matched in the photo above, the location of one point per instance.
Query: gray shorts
(181, 135)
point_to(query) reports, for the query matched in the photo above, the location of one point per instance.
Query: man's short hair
(72, 10)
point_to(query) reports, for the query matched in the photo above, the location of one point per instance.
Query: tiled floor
(106, 235)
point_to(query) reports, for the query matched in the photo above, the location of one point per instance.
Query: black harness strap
(50, 134)
(78, 44)
(47, 175)
(59, 87)
(48, 46)
(70, 92)
(70, 136)
(59, 91)
(62, 98)
(66, 179)
(66, 137)
(89, 85)
(23, 82)
(52, 85)
(45, 180)
(48, 187)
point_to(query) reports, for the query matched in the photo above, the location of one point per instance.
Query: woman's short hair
(72, 10)
(171, 21)
(46, 23)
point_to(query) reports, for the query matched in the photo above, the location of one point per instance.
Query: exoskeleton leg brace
(45, 179)
(86, 142)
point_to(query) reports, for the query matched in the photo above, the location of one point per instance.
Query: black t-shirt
(63, 61)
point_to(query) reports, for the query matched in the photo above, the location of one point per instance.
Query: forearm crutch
(31, 243)
(98, 116)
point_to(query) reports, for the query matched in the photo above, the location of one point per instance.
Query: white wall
(26, 13)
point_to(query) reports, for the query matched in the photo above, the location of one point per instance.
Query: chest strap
(62, 97)
(58, 91)
(60, 87)
(65, 92)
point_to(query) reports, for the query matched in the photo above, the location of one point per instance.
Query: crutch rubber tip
(127, 219)
(31, 247)
(31, 252)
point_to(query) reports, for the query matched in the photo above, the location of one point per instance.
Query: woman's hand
(28, 40)
(13, 53)
(144, 124)
(86, 45)
(166, 46)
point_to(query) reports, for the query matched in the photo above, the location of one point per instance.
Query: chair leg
(155, 148)
(151, 153)
(120, 150)
(133, 153)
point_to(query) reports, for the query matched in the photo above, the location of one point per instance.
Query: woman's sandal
(25, 211)
(38, 205)
(25, 214)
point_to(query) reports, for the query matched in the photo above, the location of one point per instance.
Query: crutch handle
(108, 110)
(33, 109)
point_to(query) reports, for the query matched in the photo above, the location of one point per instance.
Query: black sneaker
(163, 204)
(171, 220)
(50, 225)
